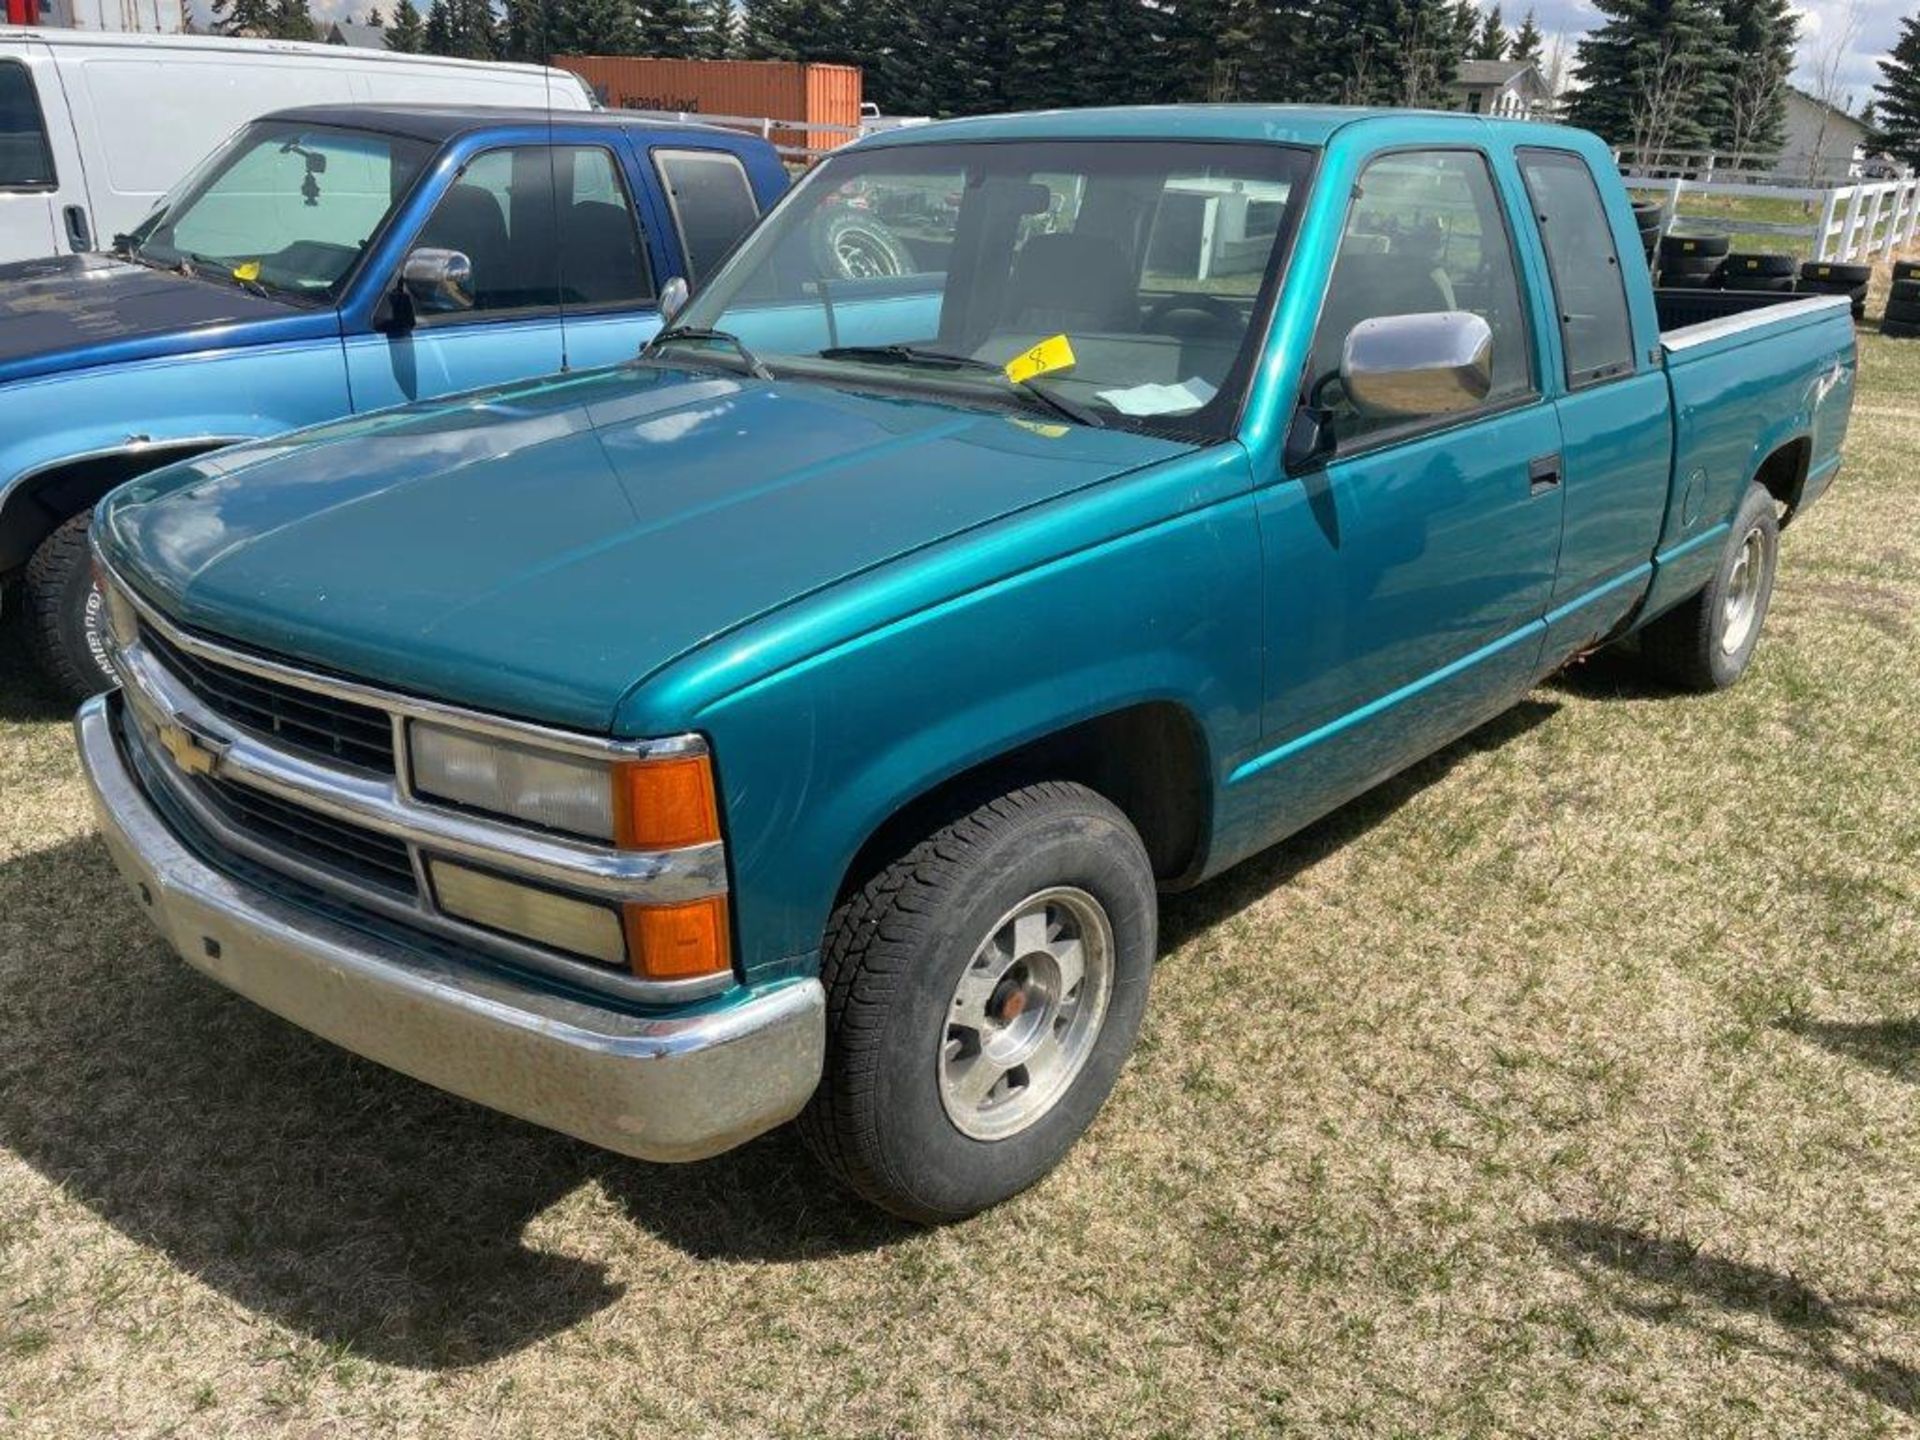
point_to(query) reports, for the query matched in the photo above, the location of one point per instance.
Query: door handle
(1543, 473)
(79, 233)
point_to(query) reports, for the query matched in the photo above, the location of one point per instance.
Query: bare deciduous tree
(1827, 59)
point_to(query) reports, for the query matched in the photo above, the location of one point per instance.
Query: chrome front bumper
(659, 1087)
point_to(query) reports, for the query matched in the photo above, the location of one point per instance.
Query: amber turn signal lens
(678, 942)
(664, 804)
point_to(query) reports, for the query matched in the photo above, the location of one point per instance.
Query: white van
(94, 128)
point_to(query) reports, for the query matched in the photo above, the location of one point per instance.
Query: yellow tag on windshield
(1049, 355)
(250, 270)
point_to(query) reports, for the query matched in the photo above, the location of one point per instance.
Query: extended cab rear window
(712, 204)
(26, 162)
(1589, 293)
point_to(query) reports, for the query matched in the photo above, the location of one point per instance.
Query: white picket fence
(1859, 219)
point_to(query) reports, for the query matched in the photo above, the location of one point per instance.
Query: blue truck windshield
(1126, 282)
(284, 208)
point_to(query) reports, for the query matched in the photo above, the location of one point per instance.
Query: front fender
(165, 409)
(813, 757)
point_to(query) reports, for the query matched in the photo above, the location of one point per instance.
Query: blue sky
(1821, 20)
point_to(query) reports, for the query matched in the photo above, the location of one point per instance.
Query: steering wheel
(1224, 311)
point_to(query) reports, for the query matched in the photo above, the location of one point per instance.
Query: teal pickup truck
(1032, 515)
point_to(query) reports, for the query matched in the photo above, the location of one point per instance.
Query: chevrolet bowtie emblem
(195, 754)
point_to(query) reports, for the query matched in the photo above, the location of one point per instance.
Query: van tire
(66, 614)
(1690, 644)
(894, 956)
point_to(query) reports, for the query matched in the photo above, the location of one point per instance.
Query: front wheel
(66, 614)
(1707, 642)
(983, 991)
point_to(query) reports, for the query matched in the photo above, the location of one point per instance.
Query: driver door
(1407, 572)
(499, 213)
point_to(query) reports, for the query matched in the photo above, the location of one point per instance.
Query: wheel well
(39, 504)
(1784, 473)
(1150, 760)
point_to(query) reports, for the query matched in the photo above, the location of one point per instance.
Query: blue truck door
(1616, 419)
(1407, 577)
(499, 212)
(607, 267)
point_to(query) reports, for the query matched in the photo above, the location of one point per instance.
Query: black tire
(1834, 272)
(857, 245)
(1752, 263)
(1687, 644)
(1690, 264)
(1900, 330)
(1904, 312)
(1906, 270)
(1904, 290)
(1686, 246)
(1646, 213)
(894, 955)
(1709, 281)
(1772, 284)
(66, 614)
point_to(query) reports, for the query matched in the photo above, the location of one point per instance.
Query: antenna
(553, 182)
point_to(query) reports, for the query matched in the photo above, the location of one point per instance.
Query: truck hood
(73, 310)
(536, 550)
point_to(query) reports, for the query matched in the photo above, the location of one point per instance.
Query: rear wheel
(66, 613)
(1707, 642)
(983, 991)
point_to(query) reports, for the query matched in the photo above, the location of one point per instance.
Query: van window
(25, 161)
(1589, 293)
(712, 204)
(501, 215)
(1426, 232)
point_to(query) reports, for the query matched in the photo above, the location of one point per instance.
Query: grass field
(1566, 1086)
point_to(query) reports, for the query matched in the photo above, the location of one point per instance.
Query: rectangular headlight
(662, 803)
(122, 621)
(542, 787)
(578, 927)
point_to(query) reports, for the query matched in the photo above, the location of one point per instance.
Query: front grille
(341, 846)
(304, 720)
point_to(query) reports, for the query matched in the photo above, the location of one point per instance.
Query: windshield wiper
(755, 366)
(948, 360)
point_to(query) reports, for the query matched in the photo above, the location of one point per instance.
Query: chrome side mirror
(1402, 366)
(438, 281)
(673, 299)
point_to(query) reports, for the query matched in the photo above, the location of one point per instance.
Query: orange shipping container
(751, 89)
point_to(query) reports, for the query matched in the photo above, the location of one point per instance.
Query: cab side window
(712, 204)
(25, 161)
(1589, 293)
(1425, 233)
(501, 213)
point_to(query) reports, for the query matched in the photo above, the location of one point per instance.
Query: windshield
(1113, 282)
(282, 208)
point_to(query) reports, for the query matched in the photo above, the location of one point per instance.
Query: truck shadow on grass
(1672, 1282)
(341, 1199)
(363, 1208)
(1891, 1046)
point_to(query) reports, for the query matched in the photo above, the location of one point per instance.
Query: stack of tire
(1646, 214)
(1757, 271)
(1830, 277)
(1903, 302)
(1692, 262)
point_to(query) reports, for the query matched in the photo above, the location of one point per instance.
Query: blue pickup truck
(331, 261)
(1033, 514)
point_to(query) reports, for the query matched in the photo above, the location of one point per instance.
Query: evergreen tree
(715, 26)
(374, 18)
(594, 27)
(669, 28)
(524, 31)
(292, 20)
(406, 35)
(245, 17)
(1762, 37)
(1492, 41)
(1527, 42)
(438, 36)
(1896, 104)
(1654, 74)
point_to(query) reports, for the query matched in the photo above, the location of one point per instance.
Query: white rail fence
(1857, 219)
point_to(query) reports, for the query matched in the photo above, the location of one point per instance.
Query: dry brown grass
(1566, 1086)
